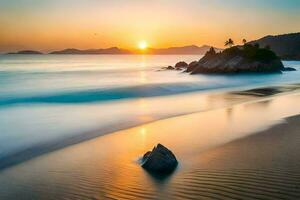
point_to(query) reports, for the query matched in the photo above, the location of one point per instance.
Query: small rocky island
(160, 160)
(27, 52)
(238, 59)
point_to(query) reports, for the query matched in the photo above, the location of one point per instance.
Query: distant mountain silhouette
(286, 46)
(26, 52)
(112, 50)
(192, 49)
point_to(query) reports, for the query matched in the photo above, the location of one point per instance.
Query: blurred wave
(48, 99)
(98, 95)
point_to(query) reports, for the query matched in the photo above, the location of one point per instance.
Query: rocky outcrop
(170, 68)
(181, 65)
(287, 69)
(167, 68)
(192, 66)
(159, 160)
(246, 59)
(178, 66)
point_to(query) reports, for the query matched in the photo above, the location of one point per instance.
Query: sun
(143, 45)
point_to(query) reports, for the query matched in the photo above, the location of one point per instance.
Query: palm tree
(229, 42)
(244, 41)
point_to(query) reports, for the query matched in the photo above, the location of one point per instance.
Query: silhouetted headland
(286, 46)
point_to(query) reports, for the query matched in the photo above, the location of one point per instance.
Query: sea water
(51, 101)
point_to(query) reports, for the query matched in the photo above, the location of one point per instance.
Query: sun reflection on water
(142, 77)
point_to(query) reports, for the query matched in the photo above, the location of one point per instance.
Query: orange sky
(57, 24)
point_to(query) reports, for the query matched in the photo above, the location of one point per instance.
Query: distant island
(112, 50)
(236, 59)
(184, 50)
(192, 49)
(26, 52)
(286, 46)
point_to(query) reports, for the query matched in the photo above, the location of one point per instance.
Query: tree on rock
(211, 51)
(229, 42)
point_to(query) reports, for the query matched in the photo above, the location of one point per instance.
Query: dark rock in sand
(181, 65)
(159, 160)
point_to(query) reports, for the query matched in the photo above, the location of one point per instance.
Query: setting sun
(163, 99)
(143, 45)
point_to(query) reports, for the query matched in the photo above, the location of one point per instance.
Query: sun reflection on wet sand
(143, 133)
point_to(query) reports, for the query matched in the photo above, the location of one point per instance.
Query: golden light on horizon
(143, 45)
(99, 27)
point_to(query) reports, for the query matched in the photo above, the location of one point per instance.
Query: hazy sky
(56, 24)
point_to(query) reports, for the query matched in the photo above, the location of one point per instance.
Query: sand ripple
(238, 184)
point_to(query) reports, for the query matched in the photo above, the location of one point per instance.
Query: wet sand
(262, 166)
(91, 121)
(245, 151)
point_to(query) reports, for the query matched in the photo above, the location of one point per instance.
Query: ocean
(48, 102)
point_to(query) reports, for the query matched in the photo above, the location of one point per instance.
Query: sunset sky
(56, 24)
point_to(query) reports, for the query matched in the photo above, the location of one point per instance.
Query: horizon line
(130, 50)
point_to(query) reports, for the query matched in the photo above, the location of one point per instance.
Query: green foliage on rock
(252, 52)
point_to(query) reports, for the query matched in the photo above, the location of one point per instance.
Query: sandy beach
(243, 151)
(149, 100)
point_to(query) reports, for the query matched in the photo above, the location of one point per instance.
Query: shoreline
(234, 98)
(224, 153)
